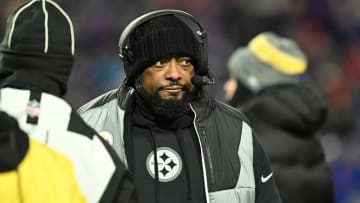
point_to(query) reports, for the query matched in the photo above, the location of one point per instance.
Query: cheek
(190, 85)
(150, 82)
(187, 79)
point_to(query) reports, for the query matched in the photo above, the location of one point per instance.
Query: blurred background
(327, 30)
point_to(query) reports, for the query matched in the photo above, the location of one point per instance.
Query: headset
(127, 56)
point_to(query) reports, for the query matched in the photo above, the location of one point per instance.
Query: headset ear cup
(129, 55)
(127, 67)
(128, 60)
(129, 72)
(204, 56)
(202, 37)
(204, 65)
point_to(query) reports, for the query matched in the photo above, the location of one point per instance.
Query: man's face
(170, 78)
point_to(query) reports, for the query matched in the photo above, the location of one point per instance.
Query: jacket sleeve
(121, 188)
(266, 190)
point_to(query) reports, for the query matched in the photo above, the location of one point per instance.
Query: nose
(173, 71)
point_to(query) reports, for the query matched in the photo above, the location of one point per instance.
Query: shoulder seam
(98, 101)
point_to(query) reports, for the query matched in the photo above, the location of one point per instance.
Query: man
(180, 144)
(36, 58)
(32, 172)
(269, 84)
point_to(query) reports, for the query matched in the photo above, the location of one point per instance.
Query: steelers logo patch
(169, 164)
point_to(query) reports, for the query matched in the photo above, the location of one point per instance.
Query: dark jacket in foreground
(286, 119)
(235, 168)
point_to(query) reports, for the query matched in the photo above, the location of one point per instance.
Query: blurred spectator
(269, 85)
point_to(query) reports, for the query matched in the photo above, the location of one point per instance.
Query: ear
(138, 82)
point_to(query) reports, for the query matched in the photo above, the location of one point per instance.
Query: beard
(168, 109)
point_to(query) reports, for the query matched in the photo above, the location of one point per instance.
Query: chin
(167, 106)
(172, 97)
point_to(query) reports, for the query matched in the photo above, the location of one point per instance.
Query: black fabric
(14, 143)
(241, 95)
(158, 38)
(27, 48)
(32, 80)
(77, 124)
(262, 166)
(55, 70)
(299, 109)
(28, 35)
(149, 134)
(286, 119)
(219, 128)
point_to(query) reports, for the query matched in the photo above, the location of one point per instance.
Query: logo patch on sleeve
(266, 178)
(33, 108)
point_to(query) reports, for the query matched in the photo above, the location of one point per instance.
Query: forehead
(175, 56)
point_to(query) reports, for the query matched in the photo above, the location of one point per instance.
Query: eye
(185, 61)
(161, 63)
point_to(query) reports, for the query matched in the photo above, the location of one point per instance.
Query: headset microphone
(199, 80)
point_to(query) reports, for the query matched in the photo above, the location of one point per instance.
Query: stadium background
(327, 30)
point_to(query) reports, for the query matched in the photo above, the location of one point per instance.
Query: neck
(33, 81)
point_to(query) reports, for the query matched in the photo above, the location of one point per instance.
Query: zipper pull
(202, 131)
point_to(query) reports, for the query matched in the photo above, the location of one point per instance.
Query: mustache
(174, 83)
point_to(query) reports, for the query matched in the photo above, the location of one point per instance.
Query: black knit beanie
(39, 41)
(161, 37)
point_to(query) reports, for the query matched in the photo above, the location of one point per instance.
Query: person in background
(36, 59)
(269, 84)
(180, 144)
(31, 171)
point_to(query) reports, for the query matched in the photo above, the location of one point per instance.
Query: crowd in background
(327, 30)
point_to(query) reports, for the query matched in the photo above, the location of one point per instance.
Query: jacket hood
(298, 108)
(39, 38)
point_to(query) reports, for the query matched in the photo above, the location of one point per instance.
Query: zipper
(202, 156)
(208, 153)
